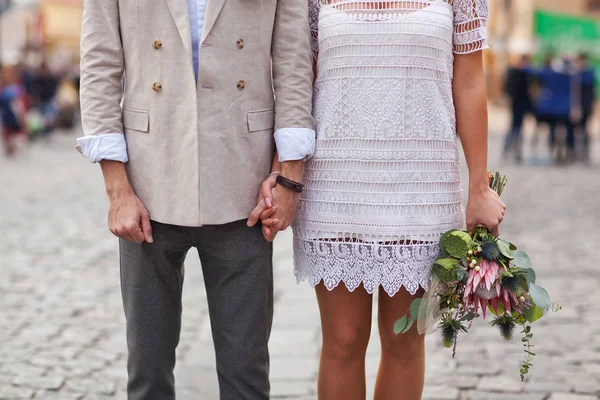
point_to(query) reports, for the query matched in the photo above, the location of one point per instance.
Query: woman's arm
(470, 101)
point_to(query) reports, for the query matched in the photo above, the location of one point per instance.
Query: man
(517, 87)
(585, 97)
(178, 107)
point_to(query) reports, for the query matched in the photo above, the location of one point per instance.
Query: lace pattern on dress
(384, 182)
(372, 265)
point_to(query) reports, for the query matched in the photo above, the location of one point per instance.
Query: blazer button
(241, 85)
(240, 44)
(157, 44)
(157, 87)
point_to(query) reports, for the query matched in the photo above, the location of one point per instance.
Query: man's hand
(285, 205)
(277, 205)
(264, 206)
(128, 219)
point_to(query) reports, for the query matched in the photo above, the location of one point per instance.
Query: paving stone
(53, 395)
(500, 384)
(478, 395)
(440, 393)
(22, 370)
(13, 393)
(571, 396)
(289, 389)
(45, 382)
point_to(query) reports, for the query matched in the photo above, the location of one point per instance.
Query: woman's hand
(264, 209)
(486, 208)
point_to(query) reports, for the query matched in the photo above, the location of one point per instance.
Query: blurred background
(61, 321)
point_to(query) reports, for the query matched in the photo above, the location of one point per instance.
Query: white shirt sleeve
(295, 143)
(110, 146)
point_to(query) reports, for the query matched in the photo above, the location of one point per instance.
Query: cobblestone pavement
(62, 325)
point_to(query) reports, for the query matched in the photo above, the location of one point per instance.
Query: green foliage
(527, 336)
(540, 296)
(444, 269)
(443, 251)
(533, 313)
(520, 259)
(400, 325)
(504, 248)
(457, 244)
(415, 306)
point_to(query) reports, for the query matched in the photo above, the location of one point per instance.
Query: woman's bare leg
(402, 367)
(346, 325)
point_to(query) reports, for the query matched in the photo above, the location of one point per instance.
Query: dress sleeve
(470, 33)
(313, 18)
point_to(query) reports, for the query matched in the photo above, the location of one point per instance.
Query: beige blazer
(197, 153)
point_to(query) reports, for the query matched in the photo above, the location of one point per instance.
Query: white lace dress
(384, 182)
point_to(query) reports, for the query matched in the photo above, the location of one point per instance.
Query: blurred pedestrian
(45, 85)
(554, 106)
(517, 86)
(13, 105)
(585, 95)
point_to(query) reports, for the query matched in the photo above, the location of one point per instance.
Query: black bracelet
(290, 184)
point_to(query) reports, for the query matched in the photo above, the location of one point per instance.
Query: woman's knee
(346, 343)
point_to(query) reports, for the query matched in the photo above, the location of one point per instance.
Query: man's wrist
(292, 170)
(115, 179)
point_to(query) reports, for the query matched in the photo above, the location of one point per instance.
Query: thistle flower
(490, 250)
(506, 325)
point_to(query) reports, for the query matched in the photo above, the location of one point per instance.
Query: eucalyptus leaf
(530, 275)
(532, 314)
(512, 246)
(504, 248)
(408, 326)
(521, 259)
(414, 308)
(400, 325)
(540, 296)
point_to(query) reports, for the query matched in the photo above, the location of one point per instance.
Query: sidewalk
(62, 325)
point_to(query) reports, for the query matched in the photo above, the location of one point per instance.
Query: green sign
(559, 34)
(566, 33)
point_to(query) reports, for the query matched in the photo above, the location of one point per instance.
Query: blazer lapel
(213, 9)
(179, 11)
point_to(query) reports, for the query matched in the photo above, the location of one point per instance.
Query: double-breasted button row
(157, 87)
(240, 44)
(157, 44)
(241, 85)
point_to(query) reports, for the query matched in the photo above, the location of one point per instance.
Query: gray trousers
(238, 274)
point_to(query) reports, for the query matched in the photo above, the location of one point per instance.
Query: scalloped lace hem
(391, 267)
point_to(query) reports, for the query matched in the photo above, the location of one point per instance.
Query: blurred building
(51, 27)
(539, 27)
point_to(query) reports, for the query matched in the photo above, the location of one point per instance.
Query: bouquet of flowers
(477, 273)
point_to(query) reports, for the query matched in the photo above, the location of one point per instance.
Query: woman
(395, 80)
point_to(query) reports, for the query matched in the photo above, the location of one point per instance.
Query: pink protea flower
(483, 288)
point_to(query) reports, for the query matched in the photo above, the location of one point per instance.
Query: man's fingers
(135, 231)
(268, 213)
(147, 228)
(270, 222)
(255, 214)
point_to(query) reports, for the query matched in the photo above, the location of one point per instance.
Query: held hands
(276, 208)
(485, 207)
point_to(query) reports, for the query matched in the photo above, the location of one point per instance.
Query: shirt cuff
(110, 146)
(295, 143)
